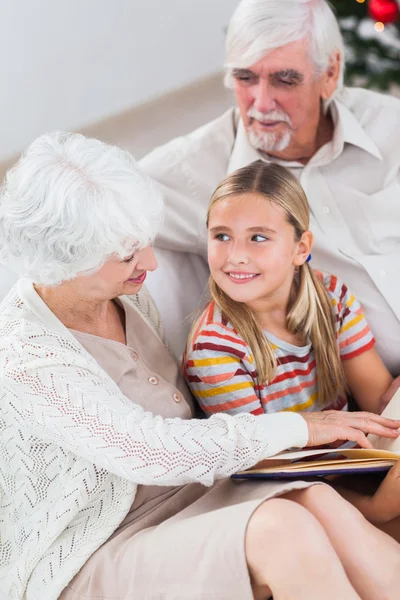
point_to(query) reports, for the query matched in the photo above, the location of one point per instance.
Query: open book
(303, 463)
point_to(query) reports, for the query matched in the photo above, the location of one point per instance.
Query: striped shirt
(221, 372)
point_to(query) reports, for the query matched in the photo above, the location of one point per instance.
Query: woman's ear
(304, 247)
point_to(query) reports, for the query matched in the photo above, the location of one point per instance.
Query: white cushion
(179, 289)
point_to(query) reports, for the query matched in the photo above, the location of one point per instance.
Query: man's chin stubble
(269, 141)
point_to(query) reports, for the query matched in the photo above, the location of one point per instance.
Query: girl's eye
(259, 238)
(128, 260)
(222, 237)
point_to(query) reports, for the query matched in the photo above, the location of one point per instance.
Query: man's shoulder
(368, 105)
(214, 138)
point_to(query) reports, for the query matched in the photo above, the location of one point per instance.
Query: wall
(64, 65)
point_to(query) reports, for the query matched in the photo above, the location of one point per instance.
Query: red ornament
(385, 11)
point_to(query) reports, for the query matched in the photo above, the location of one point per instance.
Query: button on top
(326, 210)
(177, 397)
(153, 380)
(134, 355)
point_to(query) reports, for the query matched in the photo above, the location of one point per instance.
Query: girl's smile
(251, 242)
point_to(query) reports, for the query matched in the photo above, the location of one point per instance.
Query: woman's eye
(128, 260)
(259, 238)
(222, 237)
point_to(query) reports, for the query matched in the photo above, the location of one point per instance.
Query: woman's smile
(138, 280)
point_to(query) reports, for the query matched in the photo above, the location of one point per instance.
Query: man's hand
(388, 395)
(328, 426)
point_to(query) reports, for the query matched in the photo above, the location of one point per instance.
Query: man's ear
(304, 248)
(331, 76)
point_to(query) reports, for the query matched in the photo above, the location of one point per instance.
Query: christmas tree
(371, 30)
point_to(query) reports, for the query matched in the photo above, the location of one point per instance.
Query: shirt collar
(347, 130)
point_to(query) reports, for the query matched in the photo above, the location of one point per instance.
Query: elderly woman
(109, 487)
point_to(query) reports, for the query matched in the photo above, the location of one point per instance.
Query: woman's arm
(65, 398)
(367, 379)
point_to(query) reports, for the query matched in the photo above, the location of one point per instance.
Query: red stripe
(218, 348)
(229, 338)
(343, 292)
(291, 358)
(368, 346)
(295, 373)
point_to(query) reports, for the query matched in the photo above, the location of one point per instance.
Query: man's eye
(222, 237)
(259, 238)
(244, 78)
(287, 82)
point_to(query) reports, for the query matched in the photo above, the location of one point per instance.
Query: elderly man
(284, 60)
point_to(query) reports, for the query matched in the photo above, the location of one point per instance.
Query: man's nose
(263, 97)
(147, 260)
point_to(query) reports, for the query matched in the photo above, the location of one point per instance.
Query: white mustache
(272, 115)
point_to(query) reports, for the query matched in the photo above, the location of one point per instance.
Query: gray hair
(258, 26)
(69, 204)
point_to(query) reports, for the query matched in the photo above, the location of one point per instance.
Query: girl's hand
(384, 505)
(388, 395)
(328, 426)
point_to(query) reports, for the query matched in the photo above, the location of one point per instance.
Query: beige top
(353, 187)
(151, 374)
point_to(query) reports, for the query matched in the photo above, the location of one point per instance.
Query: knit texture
(73, 448)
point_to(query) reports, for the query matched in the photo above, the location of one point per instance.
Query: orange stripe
(333, 283)
(222, 377)
(228, 405)
(354, 338)
(199, 325)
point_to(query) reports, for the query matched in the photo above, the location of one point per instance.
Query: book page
(392, 411)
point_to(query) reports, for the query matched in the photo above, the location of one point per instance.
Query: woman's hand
(328, 426)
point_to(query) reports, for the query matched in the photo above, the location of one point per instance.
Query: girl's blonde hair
(311, 313)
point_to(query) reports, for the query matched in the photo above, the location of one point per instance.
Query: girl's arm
(383, 505)
(367, 379)
(366, 376)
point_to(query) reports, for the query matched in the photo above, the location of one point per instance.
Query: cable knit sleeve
(64, 397)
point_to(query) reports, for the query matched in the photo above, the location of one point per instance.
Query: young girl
(276, 336)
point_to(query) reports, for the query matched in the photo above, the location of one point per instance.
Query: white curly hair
(69, 204)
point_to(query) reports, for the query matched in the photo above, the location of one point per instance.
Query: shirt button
(382, 273)
(153, 380)
(177, 397)
(326, 210)
(134, 355)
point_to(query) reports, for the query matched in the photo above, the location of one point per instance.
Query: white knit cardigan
(73, 448)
